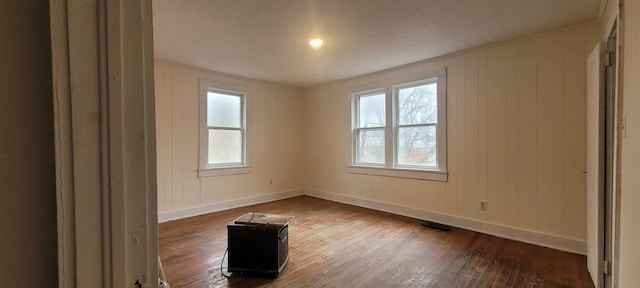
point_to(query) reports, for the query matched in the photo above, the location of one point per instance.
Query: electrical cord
(222, 262)
(222, 270)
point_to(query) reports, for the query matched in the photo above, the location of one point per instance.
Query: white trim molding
(399, 173)
(205, 169)
(104, 115)
(226, 205)
(212, 172)
(392, 125)
(527, 236)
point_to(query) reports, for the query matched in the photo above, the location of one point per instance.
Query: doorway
(601, 159)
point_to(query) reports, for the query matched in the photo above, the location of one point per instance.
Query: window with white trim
(416, 124)
(408, 140)
(369, 128)
(222, 130)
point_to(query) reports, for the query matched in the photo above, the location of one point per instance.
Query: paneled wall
(516, 136)
(275, 132)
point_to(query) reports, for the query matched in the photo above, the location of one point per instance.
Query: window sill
(399, 173)
(223, 171)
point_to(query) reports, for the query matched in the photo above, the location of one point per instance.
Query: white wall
(275, 132)
(629, 275)
(516, 138)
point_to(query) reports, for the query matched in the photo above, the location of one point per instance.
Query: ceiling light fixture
(315, 42)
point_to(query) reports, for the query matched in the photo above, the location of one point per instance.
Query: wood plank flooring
(337, 245)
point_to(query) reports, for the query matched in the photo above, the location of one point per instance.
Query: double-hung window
(416, 124)
(408, 139)
(222, 130)
(370, 128)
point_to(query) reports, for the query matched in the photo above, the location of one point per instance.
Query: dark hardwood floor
(337, 245)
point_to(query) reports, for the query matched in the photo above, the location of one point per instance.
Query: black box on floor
(258, 243)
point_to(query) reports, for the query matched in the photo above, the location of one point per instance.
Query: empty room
(320, 143)
(470, 116)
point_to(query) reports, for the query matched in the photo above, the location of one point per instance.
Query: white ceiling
(266, 39)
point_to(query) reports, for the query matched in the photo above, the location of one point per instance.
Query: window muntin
(369, 131)
(225, 128)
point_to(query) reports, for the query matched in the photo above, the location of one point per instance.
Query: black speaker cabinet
(258, 244)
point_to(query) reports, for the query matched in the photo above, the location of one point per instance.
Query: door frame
(603, 160)
(104, 132)
(612, 15)
(616, 27)
(610, 159)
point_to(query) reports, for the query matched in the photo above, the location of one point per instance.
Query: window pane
(223, 110)
(370, 146)
(418, 104)
(225, 146)
(417, 146)
(371, 111)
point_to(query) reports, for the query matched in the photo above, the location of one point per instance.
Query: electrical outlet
(483, 205)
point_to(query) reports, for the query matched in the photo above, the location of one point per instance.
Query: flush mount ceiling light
(315, 42)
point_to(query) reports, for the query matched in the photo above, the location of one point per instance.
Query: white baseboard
(523, 235)
(214, 207)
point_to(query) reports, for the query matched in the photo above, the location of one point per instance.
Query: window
(223, 130)
(416, 124)
(408, 140)
(370, 126)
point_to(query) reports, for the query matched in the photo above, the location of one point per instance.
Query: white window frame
(391, 168)
(356, 129)
(206, 169)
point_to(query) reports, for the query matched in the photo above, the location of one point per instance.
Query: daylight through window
(417, 125)
(222, 130)
(225, 128)
(408, 136)
(370, 128)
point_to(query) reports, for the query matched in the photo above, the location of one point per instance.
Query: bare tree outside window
(407, 138)
(370, 128)
(417, 122)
